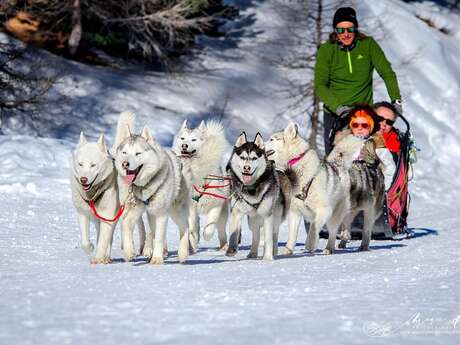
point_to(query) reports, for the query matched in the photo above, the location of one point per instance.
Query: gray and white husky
(94, 182)
(256, 192)
(200, 150)
(321, 192)
(150, 180)
(367, 192)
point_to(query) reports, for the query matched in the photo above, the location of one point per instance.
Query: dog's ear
(83, 140)
(259, 142)
(202, 126)
(291, 130)
(126, 132)
(101, 144)
(241, 140)
(184, 125)
(147, 136)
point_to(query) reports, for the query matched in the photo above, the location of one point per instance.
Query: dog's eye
(124, 152)
(182, 138)
(80, 164)
(193, 139)
(138, 153)
(254, 158)
(93, 165)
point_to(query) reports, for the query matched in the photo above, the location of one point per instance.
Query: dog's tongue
(247, 178)
(129, 178)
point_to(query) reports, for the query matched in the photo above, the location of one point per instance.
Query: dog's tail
(125, 127)
(345, 150)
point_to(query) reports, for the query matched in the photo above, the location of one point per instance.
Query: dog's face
(137, 158)
(285, 145)
(248, 160)
(188, 141)
(91, 162)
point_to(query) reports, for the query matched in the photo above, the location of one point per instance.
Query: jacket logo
(360, 57)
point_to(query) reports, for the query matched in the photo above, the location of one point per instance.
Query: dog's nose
(184, 146)
(247, 168)
(83, 180)
(125, 164)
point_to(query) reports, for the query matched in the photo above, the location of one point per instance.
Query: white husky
(94, 183)
(150, 180)
(322, 191)
(200, 150)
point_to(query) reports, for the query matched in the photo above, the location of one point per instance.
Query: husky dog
(367, 195)
(150, 180)
(256, 192)
(200, 150)
(321, 192)
(94, 182)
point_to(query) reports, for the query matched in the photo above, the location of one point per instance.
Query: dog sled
(392, 224)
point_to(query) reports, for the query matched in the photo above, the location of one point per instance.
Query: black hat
(345, 14)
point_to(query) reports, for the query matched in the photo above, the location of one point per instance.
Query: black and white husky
(256, 192)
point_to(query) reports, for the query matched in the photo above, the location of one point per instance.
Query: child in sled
(364, 123)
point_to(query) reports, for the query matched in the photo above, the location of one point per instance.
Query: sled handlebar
(405, 122)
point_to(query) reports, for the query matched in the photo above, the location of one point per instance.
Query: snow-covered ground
(403, 292)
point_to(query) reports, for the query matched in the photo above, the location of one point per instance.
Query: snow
(402, 292)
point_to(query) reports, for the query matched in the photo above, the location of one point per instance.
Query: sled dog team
(282, 178)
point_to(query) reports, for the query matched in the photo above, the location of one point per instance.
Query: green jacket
(344, 77)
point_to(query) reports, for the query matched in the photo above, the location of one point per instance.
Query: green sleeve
(322, 73)
(384, 69)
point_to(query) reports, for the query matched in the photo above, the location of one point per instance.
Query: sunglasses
(388, 122)
(342, 30)
(356, 125)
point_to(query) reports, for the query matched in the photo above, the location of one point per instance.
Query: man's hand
(343, 111)
(398, 106)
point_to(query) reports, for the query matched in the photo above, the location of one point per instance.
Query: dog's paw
(310, 248)
(156, 260)
(286, 251)
(268, 257)
(231, 251)
(165, 252)
(87, 247)
(208, 232)
(103, 260)
(363, 248)
(147, 252)
(252, 255)
(343, 244)
(129, 257)
(193, 245)
(223, 247)
(328, 251)
(182, 255)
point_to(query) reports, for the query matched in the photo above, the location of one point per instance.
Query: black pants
(331, 124)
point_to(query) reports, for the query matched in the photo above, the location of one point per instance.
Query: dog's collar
(295, 160)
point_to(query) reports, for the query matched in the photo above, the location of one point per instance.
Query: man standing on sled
(343, 72)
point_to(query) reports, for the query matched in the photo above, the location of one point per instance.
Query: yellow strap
(350, 67)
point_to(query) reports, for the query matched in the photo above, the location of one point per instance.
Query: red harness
(97, 215)
(209, 186)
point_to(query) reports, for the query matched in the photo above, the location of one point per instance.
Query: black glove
(398, 106)
(343, 111)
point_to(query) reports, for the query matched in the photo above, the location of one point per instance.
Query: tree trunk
(75, 35)
(315, 113)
